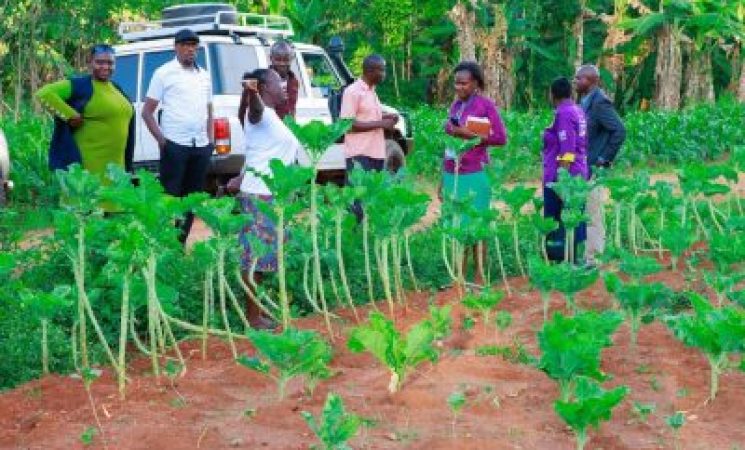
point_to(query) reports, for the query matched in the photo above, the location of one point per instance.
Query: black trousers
(183, 171)
(367, 164)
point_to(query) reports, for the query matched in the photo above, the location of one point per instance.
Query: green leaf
(456, 401)
(676, 421)
(336, 426)
(591, 406)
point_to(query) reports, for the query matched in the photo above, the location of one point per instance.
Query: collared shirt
(360, 102)
(567, 135)
(291, 86)
(473, 160)
(184, 95)
(269, 139)
(585, 101)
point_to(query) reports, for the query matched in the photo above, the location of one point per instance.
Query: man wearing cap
(184, 134)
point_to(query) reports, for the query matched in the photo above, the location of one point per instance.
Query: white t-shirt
(184, 95)
(267, 140)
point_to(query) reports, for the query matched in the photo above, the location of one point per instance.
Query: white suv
(232, 43)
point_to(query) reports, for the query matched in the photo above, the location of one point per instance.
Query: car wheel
(394, 156)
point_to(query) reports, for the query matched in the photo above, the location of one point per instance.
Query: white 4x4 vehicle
(232, 43)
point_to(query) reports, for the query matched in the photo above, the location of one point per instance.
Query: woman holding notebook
(472, 116)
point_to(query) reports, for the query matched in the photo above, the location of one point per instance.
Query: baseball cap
(186, 35)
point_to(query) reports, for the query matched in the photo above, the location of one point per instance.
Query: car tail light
(222, 135)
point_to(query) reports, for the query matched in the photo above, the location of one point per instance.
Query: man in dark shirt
(605, 135)
(281, 55)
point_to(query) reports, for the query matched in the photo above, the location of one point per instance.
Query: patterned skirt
(259, 236)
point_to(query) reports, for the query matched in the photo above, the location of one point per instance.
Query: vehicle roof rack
(218, 23)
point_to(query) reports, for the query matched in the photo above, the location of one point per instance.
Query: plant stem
(123, 330)
(340, 262)
(546, 300)
(317, 276)
(225, 321)
(581, 439)
(78, 264)
(715, 364)
(366, 250)
(409, 262)
(206, 311)
(44, 346)
(95, 414)
(500, 261)
(284, 299)
(225, 286)
(152, 316)
(516, 239)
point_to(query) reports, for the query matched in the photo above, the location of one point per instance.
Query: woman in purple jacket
(472, 181)
(564, 146)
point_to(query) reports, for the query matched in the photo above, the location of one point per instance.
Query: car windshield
(229, 63)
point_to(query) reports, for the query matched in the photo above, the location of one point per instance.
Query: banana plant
(317, 137)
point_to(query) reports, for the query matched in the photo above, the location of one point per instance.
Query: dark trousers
(367, 164)
(183, 170)
(552, 207)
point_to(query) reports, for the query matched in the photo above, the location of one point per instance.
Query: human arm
(210, 124)
(350, 104)
(609, 119)
(498, 132)
(54, 98)
(566, 133)
(148, 116)
(152, 100)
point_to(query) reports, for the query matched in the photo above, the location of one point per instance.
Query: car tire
(395, 158)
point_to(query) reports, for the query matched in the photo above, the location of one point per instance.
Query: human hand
(234, 184)
(389, 122)
(76, 121)
(251, 85)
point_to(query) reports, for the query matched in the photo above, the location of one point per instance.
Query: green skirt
(473, 187)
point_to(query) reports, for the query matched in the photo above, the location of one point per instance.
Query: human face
(583, 82)
(186, 53)
(271, 91)
(281, 61)
(376, 74)
(102, 66)
(465, 84)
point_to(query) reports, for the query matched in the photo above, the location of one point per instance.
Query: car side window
(125, 74)
(322, 76)
(155, 59)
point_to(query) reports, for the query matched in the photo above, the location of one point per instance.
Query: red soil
(508, 405)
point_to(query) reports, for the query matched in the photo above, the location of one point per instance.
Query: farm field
(508, 404)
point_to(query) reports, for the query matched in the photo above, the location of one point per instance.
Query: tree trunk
(465, 24)
(738, 82)
(741, 88)
(497, 61)
(699, 84)
(668, 71)
(578, 32)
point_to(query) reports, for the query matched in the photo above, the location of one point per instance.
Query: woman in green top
(102, 130)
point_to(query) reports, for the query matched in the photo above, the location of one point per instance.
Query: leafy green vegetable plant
(591, 405)
(291, 353)
(676, 422)
(718, 332)
(543, 276)
(571, 346)
(570, 280)
(400, 354)
(316, 137)
(456, 402)
(637, 299)
(484, 302)
(336, 426)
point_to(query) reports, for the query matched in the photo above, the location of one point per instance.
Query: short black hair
(561, 88)
(102, 48)
(371, 61)
(280, 45)
(474, 69)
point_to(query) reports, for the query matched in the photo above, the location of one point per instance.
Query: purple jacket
(473, 160)
(568, 134)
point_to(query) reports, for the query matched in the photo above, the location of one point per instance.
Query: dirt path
(509, 406)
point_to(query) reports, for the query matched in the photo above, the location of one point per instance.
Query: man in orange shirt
(365, 143)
